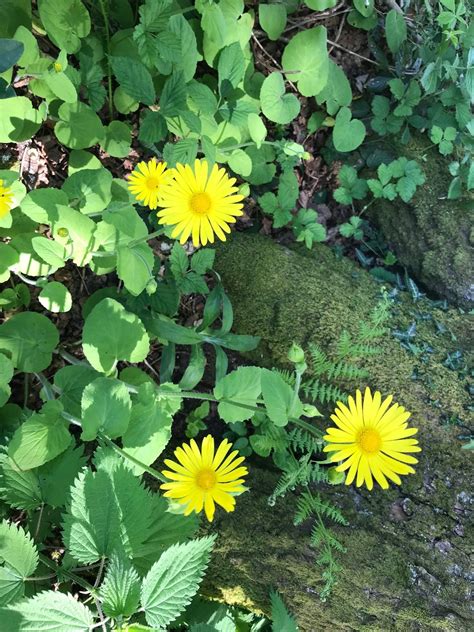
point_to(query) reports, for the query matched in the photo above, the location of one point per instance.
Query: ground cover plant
(142, 143)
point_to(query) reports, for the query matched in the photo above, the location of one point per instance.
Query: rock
(407, 561)
(432, 236)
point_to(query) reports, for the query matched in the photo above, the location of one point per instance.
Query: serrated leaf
(57, 476)
(120, 590)
(49, 610)
(230, 68)
(109, 511)
(19, 559)
(19, 489)
(173, 95)
(282, 621)
(174, 580)
(134, 78)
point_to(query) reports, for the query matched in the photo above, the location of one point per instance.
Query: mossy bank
(407, 565)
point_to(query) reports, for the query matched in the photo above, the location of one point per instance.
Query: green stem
(71, 576)
(109, 71)
(139, 240)
(154, 473)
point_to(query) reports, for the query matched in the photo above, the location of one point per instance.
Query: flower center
(152, 183)
(369, 440)
(206, 479)
(200, 202)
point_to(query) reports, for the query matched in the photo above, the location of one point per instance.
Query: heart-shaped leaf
(347, 134)
(276, 105)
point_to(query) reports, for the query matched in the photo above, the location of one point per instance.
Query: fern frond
(302, 441)
(317, 391)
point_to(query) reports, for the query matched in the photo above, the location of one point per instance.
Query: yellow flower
(6, 199)
(147, 181)
(200, 202)
(202, 478)
(372, 440)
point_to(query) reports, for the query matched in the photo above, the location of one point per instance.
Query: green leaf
(364, 7)
(188, 54)
(61, 86)
(149, 430)
(6, 374)
(173, 95)
(306, 56)
(257, 129)
(78, 126)
(49, 610)
(152, 127)
(135, 266)
(19, 489)
(50, 251)
(242, 386)
(395, 30)
(55, 297)
(320, 5)
(120, 590)
(40, 438)
(112, 334)
(240, 162)
(65, 22)
(231, 68)
(29, 339)
(118, 138)
(19, 120)
(106, 407)
(19, 559)
(272, 18)
(280, 399)
(347, 134)
(8, 258)
(10, 53)
(109, 512)
(203, 260)
(40, 205)
(57, 476)
(282, 621)
(14, 13)
(166, 329)
(134, 78)
(276, 105)
(174, 580)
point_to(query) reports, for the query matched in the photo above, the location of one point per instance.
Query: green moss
(407, 548)
(431, 235)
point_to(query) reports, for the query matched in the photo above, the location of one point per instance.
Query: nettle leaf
(281, 402)
(120, 590)
(151, 419)
(134, 78)
(281, 618)
(347, 134)
(241, 386)
(65, 22)
(272, 18)
(166, 529)
(78, 126)
(106, 407)
(174, 580)
(111, 333)
(395, 30)
(49, 610)
(40, 438)
(55, 297)
(58, 475)
(307, 57)
(276, 105)
(19, 489)
(19, 120)
(29, 339)
(18, 559)
(109, 512)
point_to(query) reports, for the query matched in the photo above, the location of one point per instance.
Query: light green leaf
(8, 258)
(109, 512)
(66, 22)
(6, 374)
(280, 399)
(19, 559)
(29, 339)
(55, 297)
(71, 381)
(242, 386)
(49, 610)
(19, 489)
(135, 267)
(118, 138)
(40, 205)
(272, 18)
(61, 86)
(347, 134)
(240, 162)
(231, 68)
(320, 5)
(19, 120)
(40, 438)
(112, 334)
(276, 105)
(78, 126)
(106, 407)
(364, 7)
(58, 475)
(174, 580)
(395, 30)
(306, 56)
(257, 129)
(50, 251)
(120, 590)
(89, 189)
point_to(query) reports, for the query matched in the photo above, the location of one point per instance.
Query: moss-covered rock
(432, 235)
(407, 565)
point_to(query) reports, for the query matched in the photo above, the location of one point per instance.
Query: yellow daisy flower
(6, 199)
(203, 477)
(200, 202)
(372, 440)
(147, 181)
